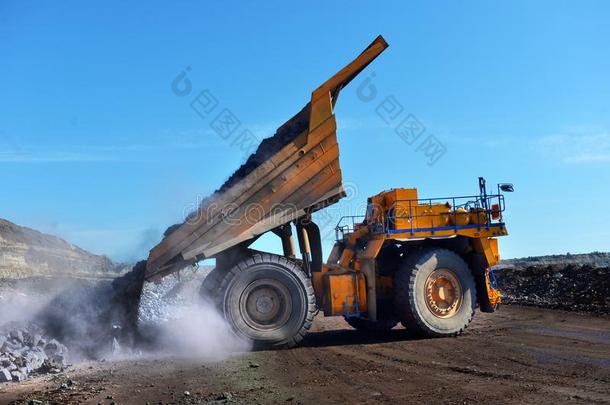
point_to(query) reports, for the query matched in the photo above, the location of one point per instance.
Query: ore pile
(25, 351)
(568, 287)
(175, 320)
(125, 302)
(90, 319)
(160, 302)
(166, 301)
(267, 148)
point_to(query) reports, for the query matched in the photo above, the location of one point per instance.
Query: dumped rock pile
(49, 322)
(25, 351)
(95, 320)
(162, 302)
(89, 319)
(174, 319)
(569, 287)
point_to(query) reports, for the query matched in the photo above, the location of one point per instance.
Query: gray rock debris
(23, 351)
(5, 375)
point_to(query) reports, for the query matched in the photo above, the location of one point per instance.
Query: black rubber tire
(279, 270)
(366, 325)
(409, 294)
(210, 287)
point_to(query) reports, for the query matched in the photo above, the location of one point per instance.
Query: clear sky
(95, 146)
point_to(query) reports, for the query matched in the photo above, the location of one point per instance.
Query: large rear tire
(366, 325)
(435, 293)
(268, 301)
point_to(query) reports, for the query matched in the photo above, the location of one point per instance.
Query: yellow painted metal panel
(305, 173)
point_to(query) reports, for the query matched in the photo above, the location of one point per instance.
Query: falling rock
(116, 347)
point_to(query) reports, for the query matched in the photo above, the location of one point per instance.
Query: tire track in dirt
(497, 361)
(475, 362)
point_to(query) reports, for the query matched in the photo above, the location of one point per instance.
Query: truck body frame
(443, 248)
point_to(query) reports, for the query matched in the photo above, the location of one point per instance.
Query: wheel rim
(443, 293)
(265, 305)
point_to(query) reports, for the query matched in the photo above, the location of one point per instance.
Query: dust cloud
(174, 319)
(124, 317)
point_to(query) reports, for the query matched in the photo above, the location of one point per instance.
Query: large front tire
(435, 293)
(268, 301)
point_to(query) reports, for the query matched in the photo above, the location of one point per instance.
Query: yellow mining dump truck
(424, 263)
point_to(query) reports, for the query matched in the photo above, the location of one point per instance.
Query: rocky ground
(26, 350)
(570, 287)
(28, 345)
(43, 317)
(185, 352)
(516, 356)
(102, 319)
(54, 293)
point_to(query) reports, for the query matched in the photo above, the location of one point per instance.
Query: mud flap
(489, 298)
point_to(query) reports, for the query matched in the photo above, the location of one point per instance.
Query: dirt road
(518, 355)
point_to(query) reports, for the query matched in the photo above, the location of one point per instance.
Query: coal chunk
(570, 287)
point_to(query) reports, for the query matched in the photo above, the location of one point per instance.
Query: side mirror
(507, 187)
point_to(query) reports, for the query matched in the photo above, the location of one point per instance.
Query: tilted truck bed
(277, 185)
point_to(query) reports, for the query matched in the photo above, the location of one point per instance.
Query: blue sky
(96, 148)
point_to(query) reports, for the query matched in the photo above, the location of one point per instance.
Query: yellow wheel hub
(443, 293)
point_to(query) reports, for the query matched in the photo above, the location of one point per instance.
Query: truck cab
(423, 262)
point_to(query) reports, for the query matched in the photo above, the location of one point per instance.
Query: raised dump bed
(291, 174)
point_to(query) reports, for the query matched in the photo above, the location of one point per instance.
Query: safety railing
(348, 224)
(487, 209)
